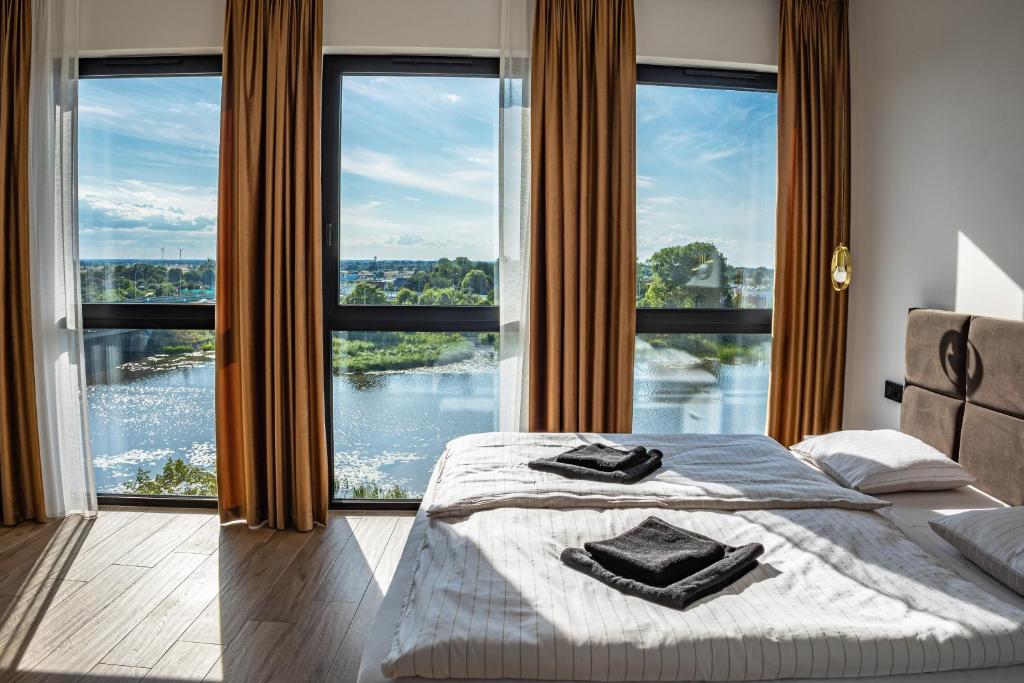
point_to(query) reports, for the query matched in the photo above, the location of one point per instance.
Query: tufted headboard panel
(964, 395)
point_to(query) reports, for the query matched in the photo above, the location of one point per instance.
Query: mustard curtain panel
(809, 321)
(582, 216)
(271, 441)
(21, 483)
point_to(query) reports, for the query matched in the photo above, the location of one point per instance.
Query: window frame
(184, 316)
(705, 320)
(340, 317)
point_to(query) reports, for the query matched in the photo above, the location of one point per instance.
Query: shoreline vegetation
(363, 352)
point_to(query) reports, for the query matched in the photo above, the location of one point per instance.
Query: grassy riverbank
(380, 351)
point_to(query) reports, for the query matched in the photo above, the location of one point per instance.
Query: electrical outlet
(894, 391)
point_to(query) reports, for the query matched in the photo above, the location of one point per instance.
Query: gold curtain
(809, 320)
(21, 483)
(271, 441)
(583, 216)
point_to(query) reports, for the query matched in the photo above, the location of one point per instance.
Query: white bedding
(839, 593)
(720, 472)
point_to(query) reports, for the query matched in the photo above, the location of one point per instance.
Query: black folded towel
(627, 475)
(734, 563)
(656, 552)
(598, 456)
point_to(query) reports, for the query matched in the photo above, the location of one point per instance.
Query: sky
(418, 168)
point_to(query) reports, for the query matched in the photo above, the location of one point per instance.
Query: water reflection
(391, 425)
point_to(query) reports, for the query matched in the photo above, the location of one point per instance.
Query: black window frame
(705, 320)
(340, 317)
(185, 316)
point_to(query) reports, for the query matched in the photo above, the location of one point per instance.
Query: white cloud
(405, 239)
(451, 97)
(152, 203)
(467, 183)
(719, 154)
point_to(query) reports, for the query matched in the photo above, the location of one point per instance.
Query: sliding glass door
(706, 177)
(410, 285)
(148, 138)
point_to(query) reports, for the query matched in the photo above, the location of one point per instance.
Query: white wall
(732, 32)
(109, 27)
(938, 176)
(741, 33)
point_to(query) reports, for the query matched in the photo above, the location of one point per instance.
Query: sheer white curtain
(56, 308)
(514, 211)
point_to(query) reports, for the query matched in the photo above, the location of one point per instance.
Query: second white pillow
(882, 461)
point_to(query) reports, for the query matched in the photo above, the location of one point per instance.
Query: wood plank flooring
(170, 595)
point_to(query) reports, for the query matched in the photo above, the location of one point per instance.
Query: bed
(847, 587)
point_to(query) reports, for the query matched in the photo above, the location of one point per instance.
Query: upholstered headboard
(964, 395)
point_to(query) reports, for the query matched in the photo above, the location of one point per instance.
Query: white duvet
(720, 472)
(838, 593)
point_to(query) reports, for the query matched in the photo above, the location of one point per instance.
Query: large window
(147, 168)
(706, 167)
(410, 262)
(410, 286)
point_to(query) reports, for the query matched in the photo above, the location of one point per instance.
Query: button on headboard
(965, 395)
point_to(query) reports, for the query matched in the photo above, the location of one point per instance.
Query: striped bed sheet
(699, 471)
(839, 593)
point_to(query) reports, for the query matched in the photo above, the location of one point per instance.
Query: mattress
(909, 512)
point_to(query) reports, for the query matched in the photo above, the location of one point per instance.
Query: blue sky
(706, 171)
(147, 166)
(419, 168)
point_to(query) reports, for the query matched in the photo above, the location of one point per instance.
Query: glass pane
(701, 383)
(706, 168)
(419, 193)
(399, 397)
(150, 395)
(147, 179)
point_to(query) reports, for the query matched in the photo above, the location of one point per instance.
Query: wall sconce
(842, 268)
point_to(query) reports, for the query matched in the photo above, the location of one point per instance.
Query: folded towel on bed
(598, 456)
(627, 475)
(656, 552)
(714, 577)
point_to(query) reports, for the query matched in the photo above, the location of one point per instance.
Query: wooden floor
(173, 596)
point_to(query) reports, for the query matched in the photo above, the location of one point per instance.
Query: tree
(476, 281)
(656, 295)
(366, 293)
(178, 478)
(406, 297)
(443, 274)
(688, 276)
(445, 296)
(419, 281)
(462, 266)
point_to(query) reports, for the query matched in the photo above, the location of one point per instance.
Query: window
(147, 168)
(706, 167)
(410, 287)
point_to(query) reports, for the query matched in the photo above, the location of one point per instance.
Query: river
(389, 427)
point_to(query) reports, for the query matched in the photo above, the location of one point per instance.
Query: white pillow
(882, 461)
(992, 539)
